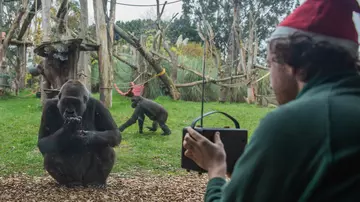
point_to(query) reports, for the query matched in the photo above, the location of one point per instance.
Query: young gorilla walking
(151, 109)
(76, 137)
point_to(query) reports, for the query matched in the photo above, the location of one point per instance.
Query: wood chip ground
(183, 188)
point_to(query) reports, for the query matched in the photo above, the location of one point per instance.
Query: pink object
(135, 90)
(330, 20)
(3, 35)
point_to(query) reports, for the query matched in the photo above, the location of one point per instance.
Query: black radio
(234, 140)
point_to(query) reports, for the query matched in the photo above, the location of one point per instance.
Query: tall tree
(233, 48)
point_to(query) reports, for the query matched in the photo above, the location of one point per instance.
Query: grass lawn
(20, 119)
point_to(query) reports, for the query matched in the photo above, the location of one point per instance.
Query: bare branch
(29, 17)
(214, 81)
(61, 16)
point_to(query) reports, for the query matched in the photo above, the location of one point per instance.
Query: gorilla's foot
(73, 184)
(96, 185)
(151, 129)
(167, 133)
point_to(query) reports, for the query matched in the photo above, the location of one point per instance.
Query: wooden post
(105, 68)
(84, 68)
(46, 5)
(141, 62)
(22, 70)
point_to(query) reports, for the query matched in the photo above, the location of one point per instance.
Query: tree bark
(83, 65)
(105, 68)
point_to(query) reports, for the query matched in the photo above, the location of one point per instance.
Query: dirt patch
(189, 187)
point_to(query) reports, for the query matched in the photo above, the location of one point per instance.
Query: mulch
(189, 187)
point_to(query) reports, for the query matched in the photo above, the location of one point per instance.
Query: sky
(128, 13)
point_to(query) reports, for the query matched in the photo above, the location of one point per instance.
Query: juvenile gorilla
(76, 137)
(151, 109)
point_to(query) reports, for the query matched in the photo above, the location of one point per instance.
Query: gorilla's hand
(86, 136)
(121, 128)
(73, 123)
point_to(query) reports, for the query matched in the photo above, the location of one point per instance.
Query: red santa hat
(324, 20)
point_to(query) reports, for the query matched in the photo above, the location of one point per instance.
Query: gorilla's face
(73, 99)
(70, 106)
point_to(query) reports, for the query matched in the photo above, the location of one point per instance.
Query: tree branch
(29, 17)
(214, 81)
(61, 16)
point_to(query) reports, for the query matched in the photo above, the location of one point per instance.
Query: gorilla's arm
(52, 142)
(106, 133)
(137, 112)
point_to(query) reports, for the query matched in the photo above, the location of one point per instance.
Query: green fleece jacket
(305, 150)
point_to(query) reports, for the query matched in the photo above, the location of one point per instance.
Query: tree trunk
(20, 75)
(105, 68)
(46, 28)
(233, 51)
(110, 40)
(62, 17)
(1, 13)
(141, 62)
(84, 58)
(250, 61)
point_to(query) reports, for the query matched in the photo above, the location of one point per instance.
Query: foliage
(20, 119)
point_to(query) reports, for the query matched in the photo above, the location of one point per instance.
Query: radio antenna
(203, 85)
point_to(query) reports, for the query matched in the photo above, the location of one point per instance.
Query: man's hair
(302, 52)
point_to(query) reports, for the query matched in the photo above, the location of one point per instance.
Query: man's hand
(209, 156)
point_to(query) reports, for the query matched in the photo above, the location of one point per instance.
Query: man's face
(282, 80)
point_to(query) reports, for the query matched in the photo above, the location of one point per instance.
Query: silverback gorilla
(151, 109)
(76, 137)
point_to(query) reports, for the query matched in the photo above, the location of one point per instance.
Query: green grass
(20, 119)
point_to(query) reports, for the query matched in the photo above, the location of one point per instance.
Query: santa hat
(324, 20)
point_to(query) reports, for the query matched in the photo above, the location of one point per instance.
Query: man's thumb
(217, 138)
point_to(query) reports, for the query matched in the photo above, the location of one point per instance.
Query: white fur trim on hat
(349, 45)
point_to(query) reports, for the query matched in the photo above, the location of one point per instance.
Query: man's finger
(189, 142)
(189, 154)
(217, 138)
(194, 134)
